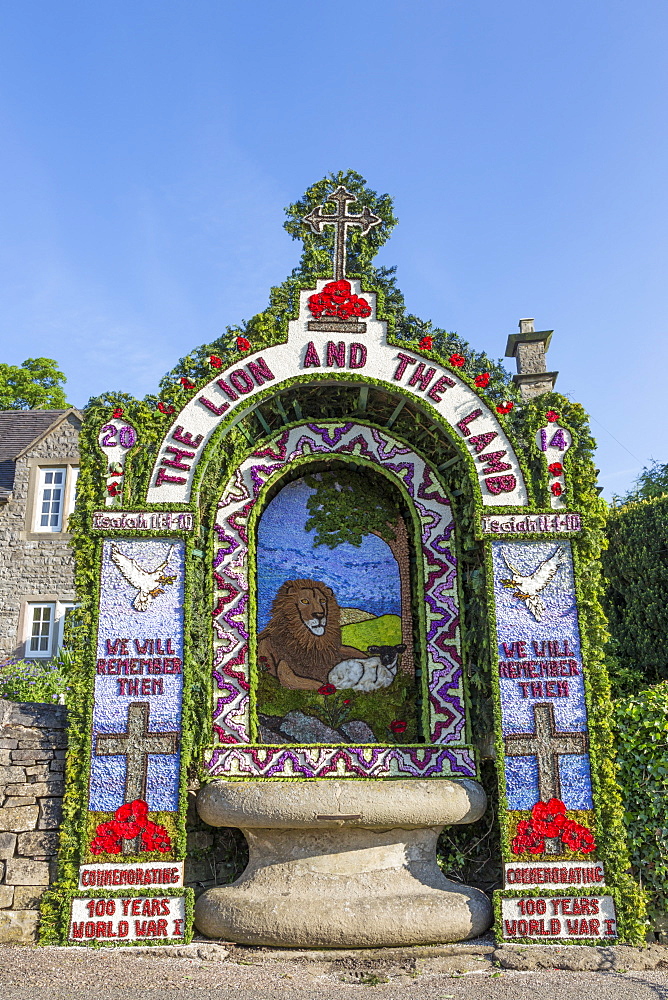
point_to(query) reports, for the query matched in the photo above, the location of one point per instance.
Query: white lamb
(376, 671)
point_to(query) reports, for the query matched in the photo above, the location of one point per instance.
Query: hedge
(642, 739)
(636, 599)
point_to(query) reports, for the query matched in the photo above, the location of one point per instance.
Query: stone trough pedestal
(342, 864)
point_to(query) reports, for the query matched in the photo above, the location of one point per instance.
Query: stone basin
(342, 863)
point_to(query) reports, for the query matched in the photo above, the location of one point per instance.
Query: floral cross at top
(340, 219)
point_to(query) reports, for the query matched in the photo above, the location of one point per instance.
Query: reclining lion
(302, 642)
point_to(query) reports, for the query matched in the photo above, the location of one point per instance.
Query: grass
(383, 631)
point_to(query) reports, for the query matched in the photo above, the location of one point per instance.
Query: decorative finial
(340, 219)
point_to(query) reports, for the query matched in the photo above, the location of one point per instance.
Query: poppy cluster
(327, 689)
(130, 821)
(398, 727)
(165, 408)
(186, 383)
(482, 381)
(548, 819)
(505, 407)
(426, 343)
(458, 360)
(337, 300)
(118, 412)
(243, 344)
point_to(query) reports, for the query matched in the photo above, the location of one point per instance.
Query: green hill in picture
(383, 631)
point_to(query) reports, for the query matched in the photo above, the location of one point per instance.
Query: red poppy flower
(108, 844)
(577, 837)
(527, 840)
(552, 416)
(346, 701)
(548, 817)
(106, 841)
(337, 299)
(137, 811)
(156, 838)
(113, 489)
(505, 407)
(215, 361)
(243, 344)
(458, 360)
(118, 412)
(426, 343)
(186, 383)
(482, 381)
(555, 468)
(398, 727)
(556, 489)
(164, 408)
(327, 689)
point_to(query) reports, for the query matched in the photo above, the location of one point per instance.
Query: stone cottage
(39, 462)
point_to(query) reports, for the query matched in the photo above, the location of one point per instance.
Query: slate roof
(19, 429)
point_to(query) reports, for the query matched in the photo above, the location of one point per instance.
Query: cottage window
(46, 624)
(51, 500)
(42, 622)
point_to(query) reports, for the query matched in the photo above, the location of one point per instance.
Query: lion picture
(302, 642)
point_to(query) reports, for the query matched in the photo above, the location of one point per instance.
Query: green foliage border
(268, 329)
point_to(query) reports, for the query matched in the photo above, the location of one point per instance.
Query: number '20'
(127, 436)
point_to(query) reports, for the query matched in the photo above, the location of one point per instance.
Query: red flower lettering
(482, 381)
(458, 360)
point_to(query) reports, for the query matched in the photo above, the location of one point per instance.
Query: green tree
(652, 482)
(346, 507)
(34, 385)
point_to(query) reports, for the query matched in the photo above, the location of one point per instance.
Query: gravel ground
(449, 973)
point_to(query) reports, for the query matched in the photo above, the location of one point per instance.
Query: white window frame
(56, 630)
(71, 490)
(42, 486)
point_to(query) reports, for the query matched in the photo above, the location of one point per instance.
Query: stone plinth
(342, 864)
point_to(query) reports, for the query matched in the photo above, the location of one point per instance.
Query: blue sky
(149, 149)
(362, 576)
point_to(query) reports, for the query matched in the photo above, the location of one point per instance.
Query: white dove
(528, 587)
(147, 583)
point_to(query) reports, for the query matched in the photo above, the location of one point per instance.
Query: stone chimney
(529, 348)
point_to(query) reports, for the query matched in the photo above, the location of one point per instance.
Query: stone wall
(33, 739)
(32, 762)
(33, 564)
